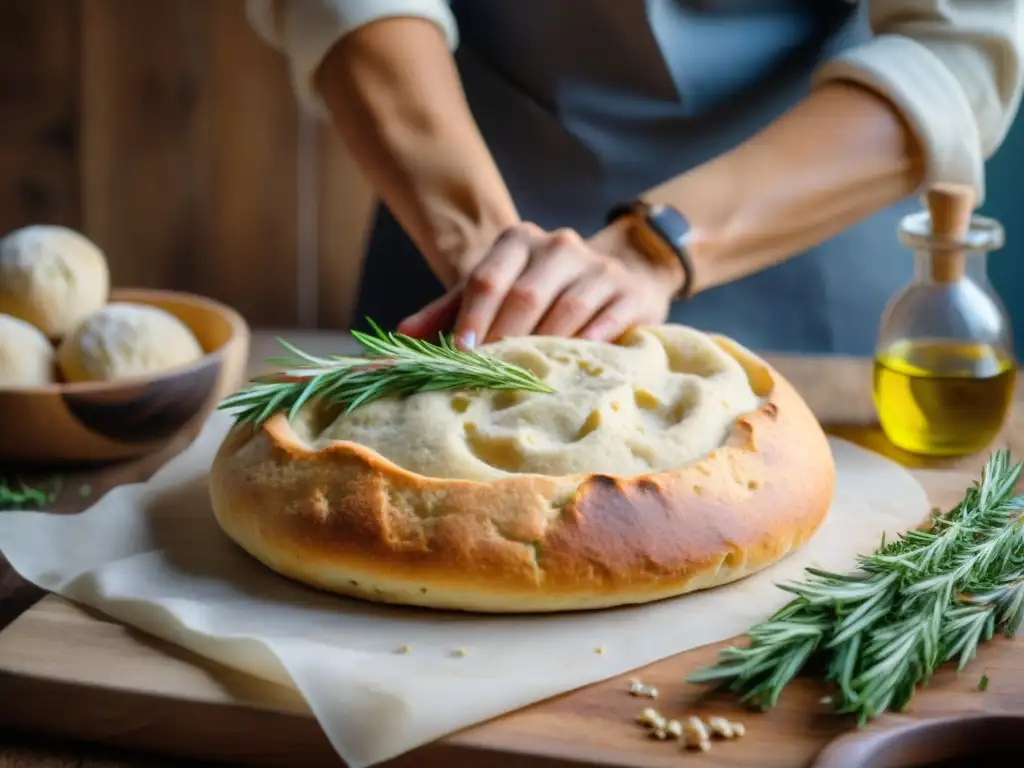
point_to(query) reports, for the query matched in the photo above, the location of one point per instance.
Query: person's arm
(384, 71)
(929, 98)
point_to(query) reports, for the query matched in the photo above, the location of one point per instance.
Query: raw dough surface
(664, 398)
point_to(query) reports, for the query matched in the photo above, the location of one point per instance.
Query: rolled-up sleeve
(953, 68)
(305, 30)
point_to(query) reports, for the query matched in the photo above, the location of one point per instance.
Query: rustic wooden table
(836, 388)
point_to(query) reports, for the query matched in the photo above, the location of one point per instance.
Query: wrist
(708, 216)
(462, 235)
(619, 240)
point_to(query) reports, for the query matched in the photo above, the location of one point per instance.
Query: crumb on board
(693, 732)
(650, 718)
(405, 649)
(599, 650)
(637, 688)
(460, 652)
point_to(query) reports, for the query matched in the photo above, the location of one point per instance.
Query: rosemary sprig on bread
(930, 597)
(394, 365)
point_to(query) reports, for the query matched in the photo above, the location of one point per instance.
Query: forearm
(942, 83)
(836, 158)
(396, 99)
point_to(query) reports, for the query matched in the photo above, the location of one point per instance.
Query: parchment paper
(151, 555)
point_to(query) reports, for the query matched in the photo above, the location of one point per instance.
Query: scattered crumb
(693, 731)
(650, 719)
(720, 727)
(725, 729)
(983, 683)
(636, 688)
(85, 490)
(825, 700)
(405, 649)
(460, 652)
(695, 734)
(599, 650)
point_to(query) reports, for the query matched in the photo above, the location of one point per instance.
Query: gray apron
(585, 103)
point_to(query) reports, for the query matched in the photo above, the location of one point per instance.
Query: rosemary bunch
(929, 597)
(394, 366)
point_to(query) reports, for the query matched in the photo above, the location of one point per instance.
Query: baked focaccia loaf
(668, 462)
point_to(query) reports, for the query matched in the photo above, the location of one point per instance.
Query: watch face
(670, 224)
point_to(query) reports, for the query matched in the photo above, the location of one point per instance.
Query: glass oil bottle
(944, 371)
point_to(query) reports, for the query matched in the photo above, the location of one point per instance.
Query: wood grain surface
(169, 133)
(116, 686)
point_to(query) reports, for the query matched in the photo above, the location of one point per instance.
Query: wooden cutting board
(64, 671)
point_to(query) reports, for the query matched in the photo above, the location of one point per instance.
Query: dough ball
(26, 356)
(52, 277)
(125, 340)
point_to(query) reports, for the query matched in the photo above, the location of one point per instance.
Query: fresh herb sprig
(930, 597)
(395, 365)
(18, 495)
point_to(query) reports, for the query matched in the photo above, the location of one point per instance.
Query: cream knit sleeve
(954, 70)
(305, 30)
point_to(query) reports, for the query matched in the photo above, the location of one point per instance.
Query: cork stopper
(951, 207)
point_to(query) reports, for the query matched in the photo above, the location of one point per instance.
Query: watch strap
(669, 226)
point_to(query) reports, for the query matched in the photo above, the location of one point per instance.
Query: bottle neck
(938, 268)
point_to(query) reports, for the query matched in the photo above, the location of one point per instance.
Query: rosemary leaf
(929, 597)
(394, 366)
(18, 495)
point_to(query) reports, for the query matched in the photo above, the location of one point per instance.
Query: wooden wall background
(168, 132)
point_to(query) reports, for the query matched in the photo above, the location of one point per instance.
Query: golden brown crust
(344, 518)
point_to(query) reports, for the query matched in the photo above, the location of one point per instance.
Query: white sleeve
(305, 30)
(954, 70)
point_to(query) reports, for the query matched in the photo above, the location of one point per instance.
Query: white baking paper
(151, 555)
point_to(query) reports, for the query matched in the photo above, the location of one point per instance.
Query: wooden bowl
(77, 422)
(946, 742)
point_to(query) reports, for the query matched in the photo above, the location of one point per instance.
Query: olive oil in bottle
(944, 371)
(943, 397)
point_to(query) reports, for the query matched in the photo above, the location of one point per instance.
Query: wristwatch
(660, 232)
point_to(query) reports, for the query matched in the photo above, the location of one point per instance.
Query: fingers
(435, 318)
(612, 321)
(557, 264)
(489, 284)
(578, 304)
(547, 283)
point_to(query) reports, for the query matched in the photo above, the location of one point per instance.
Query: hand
(551, 283)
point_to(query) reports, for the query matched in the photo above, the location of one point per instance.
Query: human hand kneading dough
(551, 283)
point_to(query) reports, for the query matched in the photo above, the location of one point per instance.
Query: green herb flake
(983, 683)
(19, 495)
